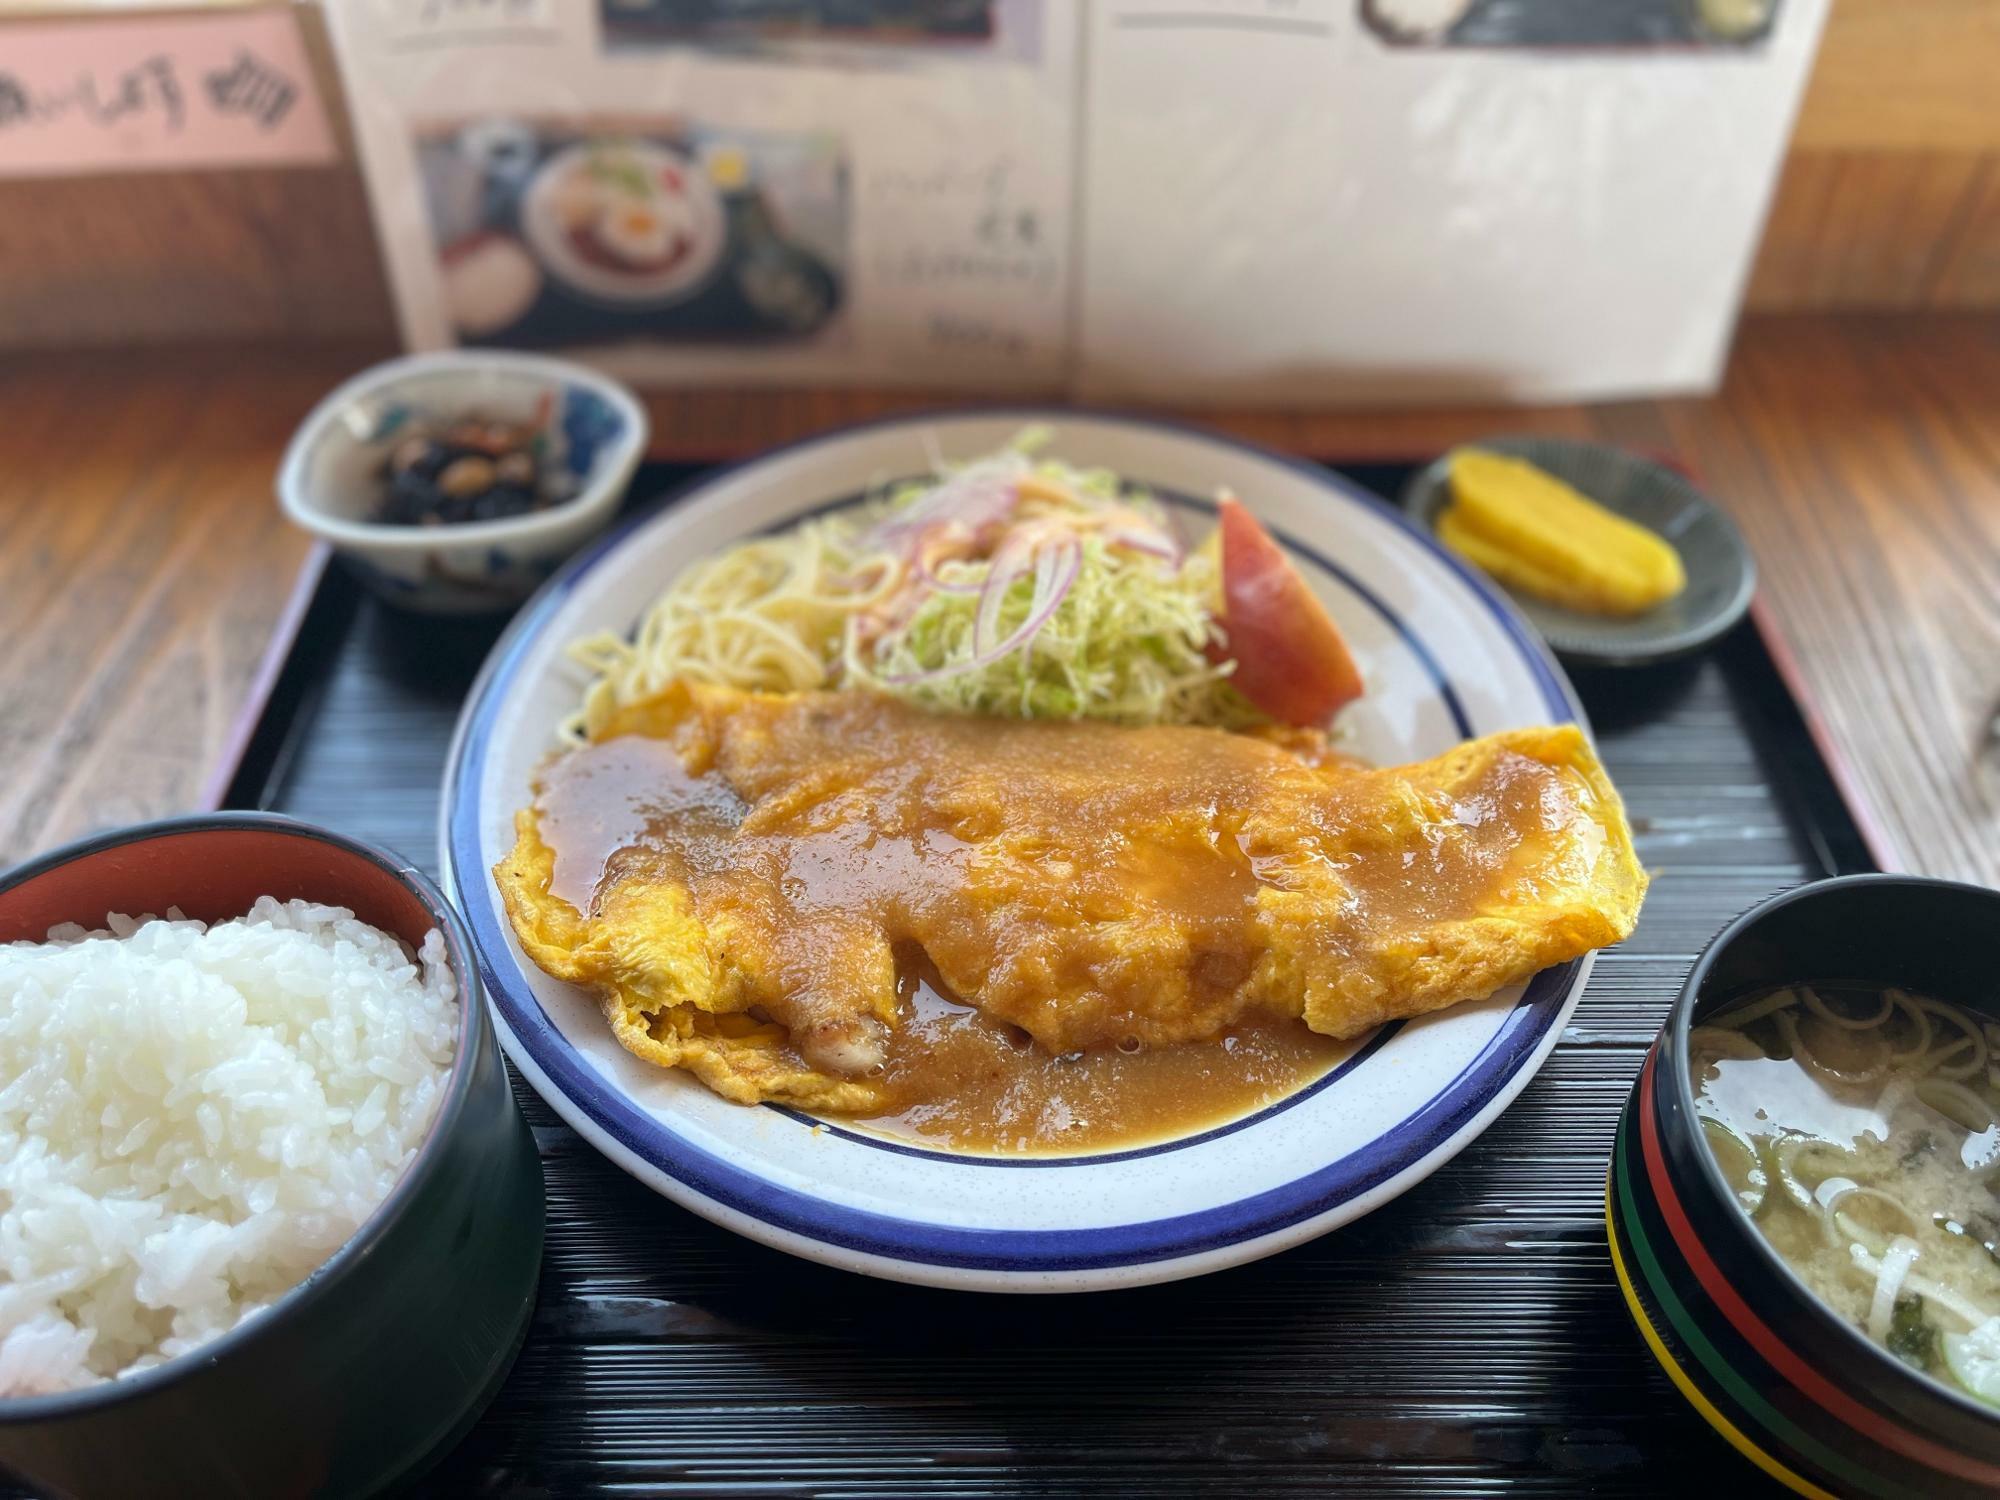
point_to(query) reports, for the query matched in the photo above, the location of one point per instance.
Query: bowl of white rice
(270, 1219)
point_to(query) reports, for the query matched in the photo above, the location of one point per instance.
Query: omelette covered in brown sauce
(1025, 934)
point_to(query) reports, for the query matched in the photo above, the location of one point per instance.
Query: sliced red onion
(1056, 568)
(1056, 571)
(920, 562)
(975, 497)
(1015, 557)
(928, 575)
(1151, 542)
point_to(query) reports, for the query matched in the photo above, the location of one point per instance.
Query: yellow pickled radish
(1537, 534)
(1514, 571)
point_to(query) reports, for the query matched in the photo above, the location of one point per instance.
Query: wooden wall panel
(268, 253)
(1891, 195)
(1905, 75)
(1967, 273)
(1878, 229)
(264, 254)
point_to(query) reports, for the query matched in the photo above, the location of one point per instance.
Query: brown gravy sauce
(595, 804)
(962, 1080)
(1099, 889)
(953, 1076)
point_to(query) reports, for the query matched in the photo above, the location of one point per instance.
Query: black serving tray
(1467, 1339)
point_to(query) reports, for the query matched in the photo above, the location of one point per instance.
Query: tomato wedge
(1291, 660)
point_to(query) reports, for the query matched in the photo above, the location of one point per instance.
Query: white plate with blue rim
(1444, 658)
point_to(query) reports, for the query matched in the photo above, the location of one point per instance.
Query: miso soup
(1860, 1130)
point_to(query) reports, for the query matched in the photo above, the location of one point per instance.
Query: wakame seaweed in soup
(1860, 1130)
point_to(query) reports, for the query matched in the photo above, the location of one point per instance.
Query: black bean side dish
(468, 470)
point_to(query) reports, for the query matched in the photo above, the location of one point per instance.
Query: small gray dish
(1721, 574)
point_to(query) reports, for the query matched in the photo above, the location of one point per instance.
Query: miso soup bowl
(378, 1361)
(1799, 1392)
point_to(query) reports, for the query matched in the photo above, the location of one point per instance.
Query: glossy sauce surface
(952, 1076)
(957, 1078)
(1138, 914)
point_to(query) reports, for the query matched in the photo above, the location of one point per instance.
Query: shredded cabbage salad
(1013, 585)
(1038, 590)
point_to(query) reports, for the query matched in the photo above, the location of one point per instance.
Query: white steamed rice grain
(194, 1118)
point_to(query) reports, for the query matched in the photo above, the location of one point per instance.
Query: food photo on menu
(601, 230)
(740, 23)
(999, 750)
(1571, 23)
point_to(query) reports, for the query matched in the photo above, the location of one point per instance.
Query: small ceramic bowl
(378, 1361)
(595, 430)
(1797, 1390)
(1721, 574)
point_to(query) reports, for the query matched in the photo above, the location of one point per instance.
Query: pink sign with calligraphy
(190, 91)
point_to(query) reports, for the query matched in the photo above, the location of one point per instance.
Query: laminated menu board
(1286, 200)
(711, 189)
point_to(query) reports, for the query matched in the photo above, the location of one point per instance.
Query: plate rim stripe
(1426, 1136)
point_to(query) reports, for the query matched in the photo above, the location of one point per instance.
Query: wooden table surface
(144, 569)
